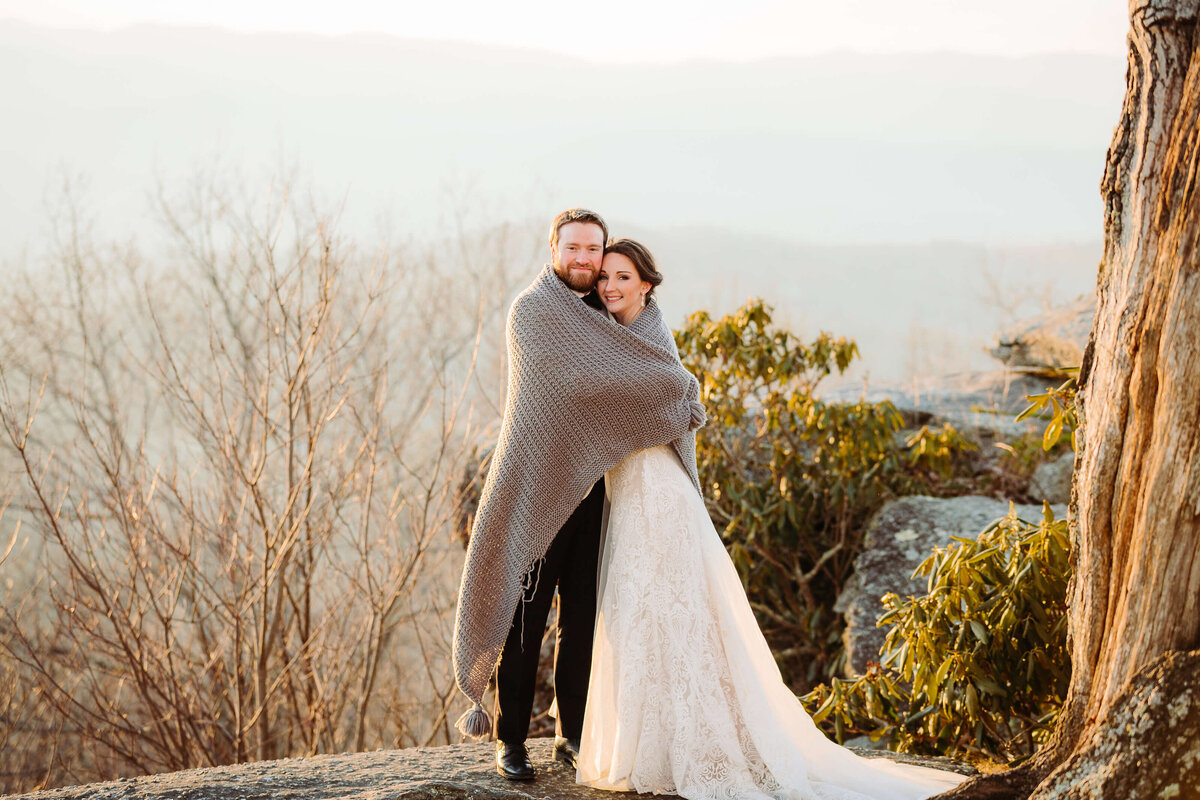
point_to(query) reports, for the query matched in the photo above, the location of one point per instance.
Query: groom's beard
(577, 281)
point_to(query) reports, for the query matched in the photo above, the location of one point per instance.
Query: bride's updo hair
(643, 262)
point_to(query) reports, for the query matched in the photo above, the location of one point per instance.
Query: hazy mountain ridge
(834, 148)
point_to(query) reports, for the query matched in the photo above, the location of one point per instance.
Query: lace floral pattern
(685, 697)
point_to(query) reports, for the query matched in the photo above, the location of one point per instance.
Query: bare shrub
(241, 459)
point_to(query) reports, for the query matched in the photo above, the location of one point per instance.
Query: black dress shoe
(567, 751)
(512, 761)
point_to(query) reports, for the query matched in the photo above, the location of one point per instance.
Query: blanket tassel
(475, 722)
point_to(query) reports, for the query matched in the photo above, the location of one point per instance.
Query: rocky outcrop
(1051, 341)
(899, 537)
(981, 405)
(1148, 746)
(424, 773)
(1051, 481)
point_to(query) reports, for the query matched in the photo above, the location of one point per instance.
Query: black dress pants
(570, 565)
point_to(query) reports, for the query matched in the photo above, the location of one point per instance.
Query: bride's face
(621, 288)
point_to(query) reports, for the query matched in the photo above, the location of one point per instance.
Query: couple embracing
(663, 682)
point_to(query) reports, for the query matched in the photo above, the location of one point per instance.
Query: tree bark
(1137, 490)
(1136, 494)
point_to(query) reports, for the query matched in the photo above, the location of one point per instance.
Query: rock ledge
(423, 773)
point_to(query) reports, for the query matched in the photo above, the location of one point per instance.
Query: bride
(684, 696)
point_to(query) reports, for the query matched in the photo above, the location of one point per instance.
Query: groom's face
(578, 254)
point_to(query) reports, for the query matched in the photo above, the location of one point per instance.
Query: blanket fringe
(475, 722)
(529, 587)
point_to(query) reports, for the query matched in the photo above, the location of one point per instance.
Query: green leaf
(1038, 402)
(972, 701)
(823, 711)
(920, 715)
(1053, 432)
(943, 671)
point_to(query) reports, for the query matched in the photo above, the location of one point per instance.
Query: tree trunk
(1136, 493)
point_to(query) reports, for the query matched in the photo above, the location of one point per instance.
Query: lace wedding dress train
(685, 697)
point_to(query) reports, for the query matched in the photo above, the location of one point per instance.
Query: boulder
(1050, 341)
(899, 537)
(422, 773)
(1148, 744)
(1052, 481)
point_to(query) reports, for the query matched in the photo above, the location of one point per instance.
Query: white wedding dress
(685, 697)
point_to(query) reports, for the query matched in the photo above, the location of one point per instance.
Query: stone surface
(1050, 341)
(1052, 481)
(424, 773)
(899, 537)
(981, 405)
(1148, 745)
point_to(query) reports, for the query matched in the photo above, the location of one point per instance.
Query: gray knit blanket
(584, 392)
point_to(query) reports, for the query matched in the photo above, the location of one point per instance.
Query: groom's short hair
(576, 215)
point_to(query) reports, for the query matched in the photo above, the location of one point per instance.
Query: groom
(577, 239)
(537, 526)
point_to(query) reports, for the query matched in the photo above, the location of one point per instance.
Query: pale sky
(646, 30)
